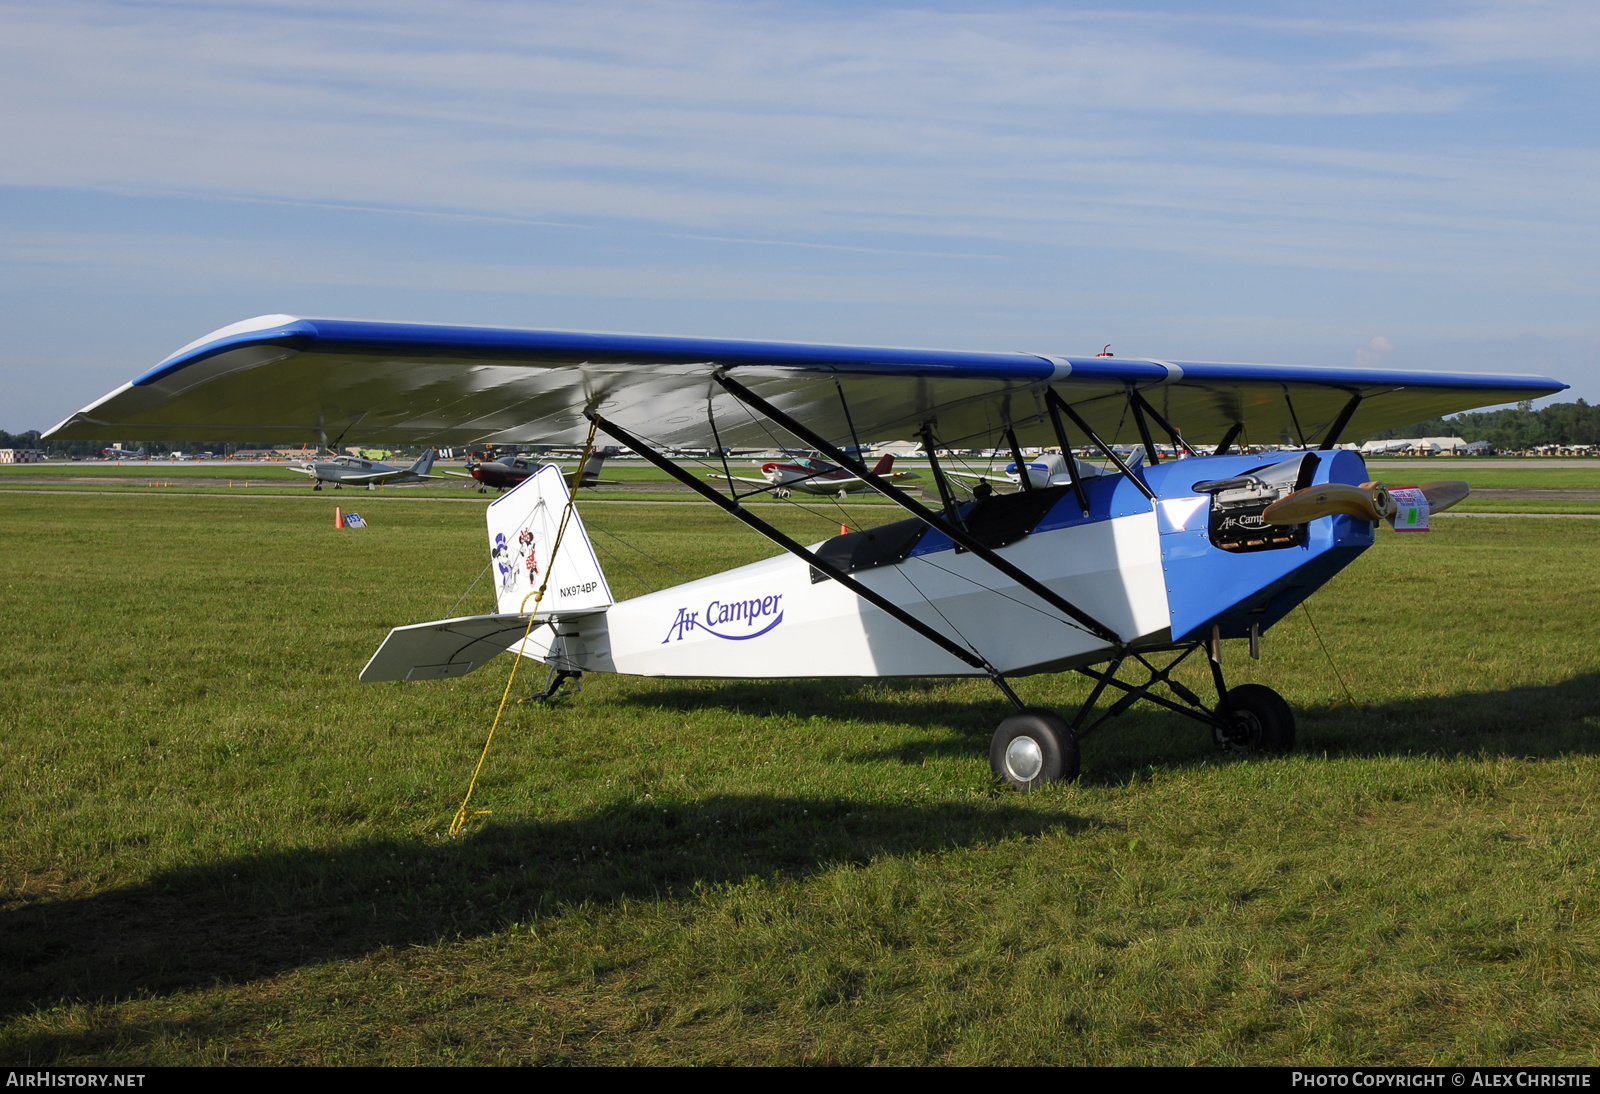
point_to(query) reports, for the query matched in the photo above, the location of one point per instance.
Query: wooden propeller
(1369, 501)
(1442, 495)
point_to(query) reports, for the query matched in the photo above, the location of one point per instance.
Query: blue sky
(1304, 183)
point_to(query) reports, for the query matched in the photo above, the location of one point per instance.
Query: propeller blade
(1442, 495)
(1369, 501)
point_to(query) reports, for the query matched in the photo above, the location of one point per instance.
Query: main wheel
(1033, 747)
(1262, 720)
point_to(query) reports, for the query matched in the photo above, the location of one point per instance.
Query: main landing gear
(1033, 747)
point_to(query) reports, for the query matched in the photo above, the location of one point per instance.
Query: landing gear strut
(555, 686)
(1033, 747)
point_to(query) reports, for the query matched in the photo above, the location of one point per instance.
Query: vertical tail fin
(591, 468)
(885, 465)
(523, 524)
(424, 463)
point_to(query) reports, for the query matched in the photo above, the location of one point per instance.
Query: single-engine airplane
(510, 471)
(813, 476)
(358, 471)
(1120, 576)
(1044, 470)
(117, 452)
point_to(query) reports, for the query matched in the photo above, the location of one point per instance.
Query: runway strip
(365, 500)
(265, 496)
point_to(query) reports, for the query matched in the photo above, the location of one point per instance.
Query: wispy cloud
(998, 152)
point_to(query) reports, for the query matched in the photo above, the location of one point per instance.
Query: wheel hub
(1243, 733)
(1024, 759)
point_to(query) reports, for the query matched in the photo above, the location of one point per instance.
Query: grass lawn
(220, 847)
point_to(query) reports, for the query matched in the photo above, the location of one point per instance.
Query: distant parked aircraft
(369, 473)
(813, 476)
(510, 471)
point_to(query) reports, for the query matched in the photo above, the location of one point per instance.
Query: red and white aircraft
(813, 476)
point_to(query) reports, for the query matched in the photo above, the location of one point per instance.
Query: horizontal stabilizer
(444, 648)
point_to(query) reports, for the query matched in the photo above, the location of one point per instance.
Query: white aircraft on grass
(814, 476)
(358, 471)
(1134, 569)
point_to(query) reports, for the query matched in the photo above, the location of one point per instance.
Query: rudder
(523, 524)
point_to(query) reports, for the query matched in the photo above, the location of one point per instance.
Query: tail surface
(885, 465)
(424, 463)
(591, 467)
(523, 526)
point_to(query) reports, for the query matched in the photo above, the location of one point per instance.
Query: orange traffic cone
(338, 517)
(843, 528)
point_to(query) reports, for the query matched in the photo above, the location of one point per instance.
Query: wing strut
(734, 509)
(945, 497)
(1171, 430)
(1228, 438)
(1058, 403)
(1340, 422)
(1072, 461)
(1016, 454)
(1137, 405)
(923, 513)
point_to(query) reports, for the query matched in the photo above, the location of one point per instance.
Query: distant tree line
(86, 449)
(1513, 428)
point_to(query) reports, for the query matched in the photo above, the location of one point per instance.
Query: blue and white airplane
(1129, 571)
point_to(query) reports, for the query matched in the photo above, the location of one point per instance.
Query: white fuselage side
(769, 619)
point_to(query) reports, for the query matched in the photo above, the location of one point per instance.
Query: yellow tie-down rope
(549, 568)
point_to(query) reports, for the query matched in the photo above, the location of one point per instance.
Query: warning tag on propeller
(1411, 509)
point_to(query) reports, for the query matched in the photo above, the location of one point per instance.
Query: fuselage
(811, 476)
(503, 474)
(357, 471)
(1156, 573)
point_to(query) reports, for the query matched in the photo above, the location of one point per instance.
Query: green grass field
(220, 847)
(1504, 486)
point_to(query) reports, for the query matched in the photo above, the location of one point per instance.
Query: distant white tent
(1423, 446)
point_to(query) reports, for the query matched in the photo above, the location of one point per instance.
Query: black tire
(1033, 747)
(1263, 720)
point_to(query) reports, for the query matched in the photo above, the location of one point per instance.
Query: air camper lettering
(734, 620)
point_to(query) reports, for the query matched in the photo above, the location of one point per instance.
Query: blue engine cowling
(1220, 572)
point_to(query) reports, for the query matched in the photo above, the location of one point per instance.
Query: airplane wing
(739, 478)
(290, 379)
(457, 474)
(375, 476)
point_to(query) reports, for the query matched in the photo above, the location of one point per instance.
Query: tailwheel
(1033, 747)
(317, 486)
(1259, 721)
